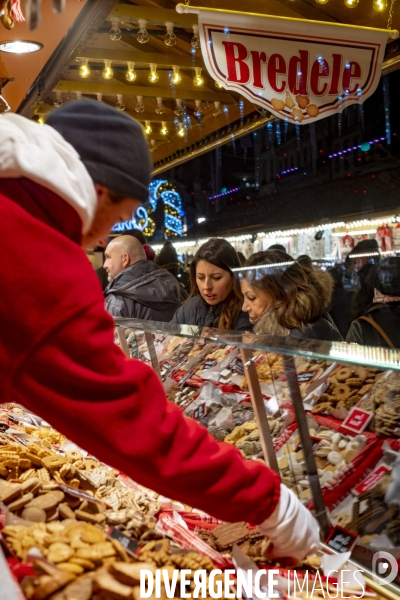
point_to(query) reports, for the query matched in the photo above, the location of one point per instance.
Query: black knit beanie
(111, 144)
(385, 276)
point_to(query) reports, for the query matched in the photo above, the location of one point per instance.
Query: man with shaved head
(138, 288)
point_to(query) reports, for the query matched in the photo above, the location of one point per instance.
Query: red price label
(371, 481)
(357, 420)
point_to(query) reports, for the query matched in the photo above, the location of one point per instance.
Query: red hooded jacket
(58, 359)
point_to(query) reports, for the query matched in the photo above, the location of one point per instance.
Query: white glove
(291, 528)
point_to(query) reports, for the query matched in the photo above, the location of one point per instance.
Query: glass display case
(325, 416)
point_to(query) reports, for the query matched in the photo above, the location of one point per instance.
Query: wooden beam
(155, 15)
(87, 87)
(142, 58)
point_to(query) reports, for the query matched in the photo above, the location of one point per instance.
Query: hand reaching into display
(291, 528)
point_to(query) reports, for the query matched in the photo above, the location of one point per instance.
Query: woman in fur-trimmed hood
(284, 297)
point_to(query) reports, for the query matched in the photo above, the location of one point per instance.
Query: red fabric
(58, 358)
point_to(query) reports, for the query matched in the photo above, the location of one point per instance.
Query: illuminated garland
(173, 213)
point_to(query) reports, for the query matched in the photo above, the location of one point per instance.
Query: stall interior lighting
(20, 47)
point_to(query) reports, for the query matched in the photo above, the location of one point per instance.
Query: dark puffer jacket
(143, 291)
(196, 311)
(387, 316)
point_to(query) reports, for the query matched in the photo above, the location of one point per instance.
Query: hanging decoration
(361, 116)
(297, 69)
(386, 105)
(270, 130)
(139, 220)
(256, 159)
(278, 132)
(285, 128)
(313, 143)
(339, 123)
(297, 127)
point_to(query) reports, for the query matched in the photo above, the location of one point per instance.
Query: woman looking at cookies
(215, 298)
(283, 297)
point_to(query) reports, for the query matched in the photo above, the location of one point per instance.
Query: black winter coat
(143, 291)
(196, 311)
(386, 316)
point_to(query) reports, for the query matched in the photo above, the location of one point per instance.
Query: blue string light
(377, 141)
(224, 193)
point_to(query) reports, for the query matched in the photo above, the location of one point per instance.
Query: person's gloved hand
(291, 528)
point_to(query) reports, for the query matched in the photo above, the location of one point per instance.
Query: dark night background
(320, 189)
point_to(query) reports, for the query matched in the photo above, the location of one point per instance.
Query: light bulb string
(391, 11)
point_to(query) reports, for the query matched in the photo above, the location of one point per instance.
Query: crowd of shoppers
(269, 293)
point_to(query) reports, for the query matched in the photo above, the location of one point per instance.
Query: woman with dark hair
(215, 298)
(380, 324)
(283, 297)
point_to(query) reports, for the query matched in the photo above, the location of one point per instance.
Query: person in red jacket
(64, 185)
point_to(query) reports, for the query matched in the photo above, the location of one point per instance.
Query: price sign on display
(209, 364)
(200, 411)
(237, 366)
(186, 377)
(341, 540)
(306, 376)
(131, 546)
(357, 420)
(371, 481)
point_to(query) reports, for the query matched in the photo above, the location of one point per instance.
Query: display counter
(325, 415)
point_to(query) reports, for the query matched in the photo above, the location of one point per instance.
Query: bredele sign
(300, 70)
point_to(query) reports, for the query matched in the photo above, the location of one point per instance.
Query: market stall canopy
(145, 56)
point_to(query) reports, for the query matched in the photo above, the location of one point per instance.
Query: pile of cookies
(371, 516)
(182, 397)
(246, 437)
(385, 403)
(269, 369)
(347, 385)
(333, 452)
(39, 502)
(225, 536)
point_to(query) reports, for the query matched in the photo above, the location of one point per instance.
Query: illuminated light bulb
(58, 102)
(199, 110)
(218, 110)
(351, 3)
(160, 108)
(176, 76)
(179, 108)
(129, 26)
(170, 37)
(40, 121)
(164, 128)
(107, 71)
(181, 131)
(139, 108)
(153, 75)
(130, 74)
(84, 70)
(148, 129)
(195, 39)
(218, 85)
(322, 1)
(379, 5)
(115, 32)
(120, 104)
(142, 35)
(198, 80)
(99, 97)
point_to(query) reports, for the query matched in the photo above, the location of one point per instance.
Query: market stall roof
(211, 116)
